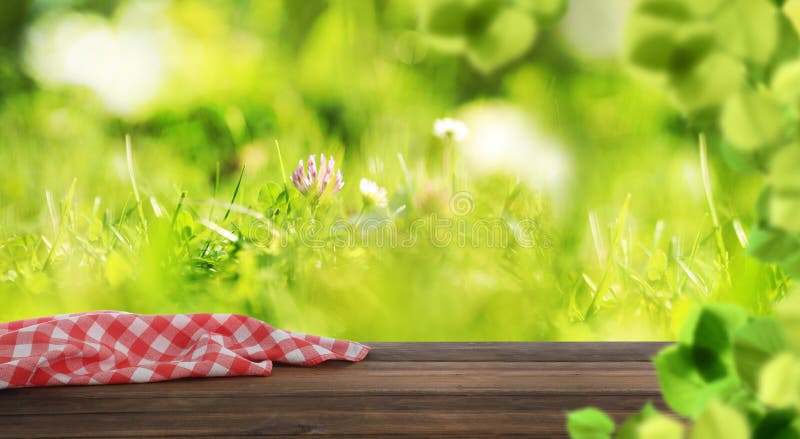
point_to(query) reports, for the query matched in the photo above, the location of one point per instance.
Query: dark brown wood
(515, 351)
(408, 389)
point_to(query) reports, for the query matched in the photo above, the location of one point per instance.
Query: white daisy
(373, 194)
(450, 129)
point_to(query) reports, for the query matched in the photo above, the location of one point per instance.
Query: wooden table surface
(406, 389)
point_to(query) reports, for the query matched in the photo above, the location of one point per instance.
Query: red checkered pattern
(109, 347)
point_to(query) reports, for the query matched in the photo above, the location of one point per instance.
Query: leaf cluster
(490, 33)
(732, 68)
(731, 374)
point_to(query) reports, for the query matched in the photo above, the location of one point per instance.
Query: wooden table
(411, 389)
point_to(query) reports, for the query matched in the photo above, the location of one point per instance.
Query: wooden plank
(434, 395)
(71, 405)
(345, 379)
(355, 380)
(346, 423)
(515, 351)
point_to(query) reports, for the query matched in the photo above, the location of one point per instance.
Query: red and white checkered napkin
(108, 347)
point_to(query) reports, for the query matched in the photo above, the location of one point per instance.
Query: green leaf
(184, 224)
(269, 193)
(788, 39)
(784, 211)
(712, 326)
(743, 162)
(482, 13)
(589, 423)
(664, 40)
(711, 332)
(771, 244)
(708, 84)
(675, 10)
(545, 11)
(720, 421)
(705, 7)
(784, 197)
(791, 9)
(788, 312)
(785, 83)
(700, 368)
(784, 170)
(748, 29)
(695, 44)
(508, 37)
(752, 120)
(660, 427)
(650, 41)
(683, 387)
(754, 345)
(791, 265)
(660, 36)
(629, 428)
(776, 424)
(445, 17)
(779, 381)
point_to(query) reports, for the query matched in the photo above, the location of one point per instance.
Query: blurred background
(559, 132)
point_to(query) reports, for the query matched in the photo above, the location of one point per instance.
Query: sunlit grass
(197, 212)
(252, 254)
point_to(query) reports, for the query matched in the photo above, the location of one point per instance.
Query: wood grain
(402, 389)
(515, 351)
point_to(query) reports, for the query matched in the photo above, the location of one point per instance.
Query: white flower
(373, 194)
(450, 129)
(309, 181)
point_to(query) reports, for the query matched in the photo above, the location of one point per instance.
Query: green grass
(195, 213)
(193, 253)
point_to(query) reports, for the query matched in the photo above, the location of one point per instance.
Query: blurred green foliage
(731, 67)
(602, 165)
(730, 374)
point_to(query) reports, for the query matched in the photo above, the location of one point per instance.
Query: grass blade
(605, 282)
(51, 207)
(741, 235)
(139, 208)
(227, 213)
(178, 208)
(723, 252)
(225, 233)
(156, 207)
(235, 194)
(62, 225)
(406, 175)
(597, 237)
(283, 167)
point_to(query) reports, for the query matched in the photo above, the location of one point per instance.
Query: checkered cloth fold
(109, 347)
